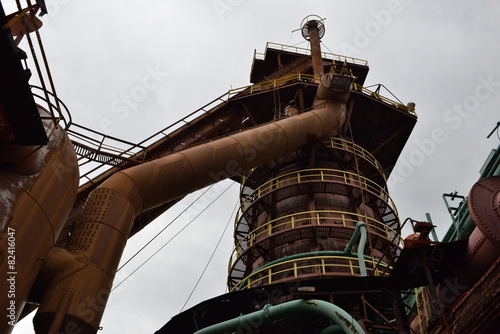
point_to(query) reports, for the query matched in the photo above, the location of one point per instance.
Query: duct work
(97, 242)
(39, 185)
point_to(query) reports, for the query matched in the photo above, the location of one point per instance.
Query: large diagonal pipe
(82, 272)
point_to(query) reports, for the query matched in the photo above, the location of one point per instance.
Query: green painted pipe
(450, 234)
(354, 237)
(465, 227)
(269, 314)
(360, 230)
(361, 249)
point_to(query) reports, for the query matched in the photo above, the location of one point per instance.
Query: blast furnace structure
(317, 238)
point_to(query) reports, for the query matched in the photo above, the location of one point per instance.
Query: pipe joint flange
(267, 314)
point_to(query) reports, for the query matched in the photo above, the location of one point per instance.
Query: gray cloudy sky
(442, 55)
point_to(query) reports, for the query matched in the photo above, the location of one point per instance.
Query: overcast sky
(442, 55)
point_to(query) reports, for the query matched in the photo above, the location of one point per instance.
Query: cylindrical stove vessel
(298, 214)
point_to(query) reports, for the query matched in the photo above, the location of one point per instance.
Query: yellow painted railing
(314, 266)
(312, 218)
(352, 147)
(269, 84)
(346, 145)
(410, 110)
(321, 175)
(54, 110)
(423, 312)
(305, 51)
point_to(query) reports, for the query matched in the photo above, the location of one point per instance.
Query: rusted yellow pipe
(95, 247)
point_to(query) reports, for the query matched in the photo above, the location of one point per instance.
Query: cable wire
(165, 244)
(211, 257)
(326, 47)
(291, 35)
(305, 41)
(163, 229)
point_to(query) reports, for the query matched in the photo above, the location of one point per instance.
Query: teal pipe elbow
(361, 233)
(269, 314)
(355, 236)
(361, 247)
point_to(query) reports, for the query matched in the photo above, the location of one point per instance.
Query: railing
(304, 51)
(297, 77)
(422, 306)
(112, 146)
(410, 110)
(313, 266)
(269, 84)
(165, 133)
(350, 146)
(344, 144)
(317, 174)
(102, 151)
(312, 218)
(49, 102)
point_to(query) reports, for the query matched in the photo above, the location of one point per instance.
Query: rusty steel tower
(301, 215)
(316, 223)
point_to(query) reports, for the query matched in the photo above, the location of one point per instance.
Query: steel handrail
(268, 84)
(164, 133)
(410, 110)
(350, 146)
(50, 104)
(305, 51)
(290, 220)
(322, 175)
(293, 267)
